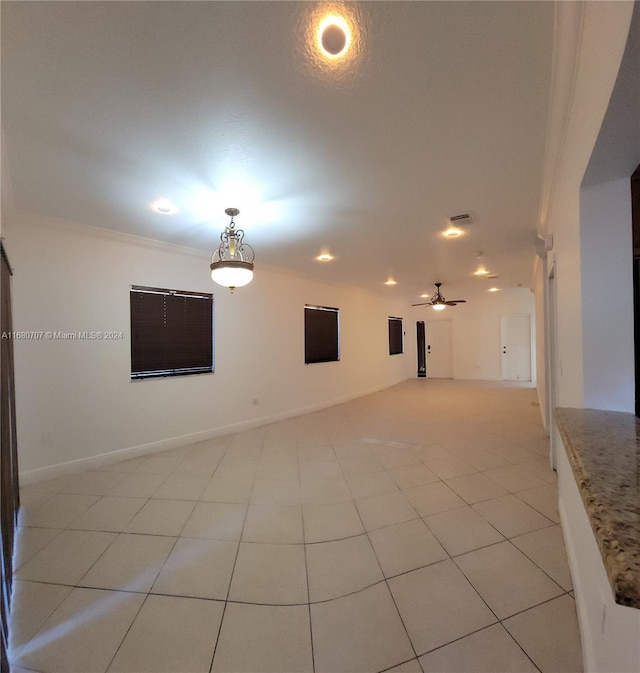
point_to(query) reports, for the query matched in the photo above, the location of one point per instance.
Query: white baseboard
(109, 457)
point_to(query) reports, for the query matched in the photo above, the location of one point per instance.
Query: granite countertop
(604, 451)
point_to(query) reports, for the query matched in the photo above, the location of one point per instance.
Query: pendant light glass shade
(232, 263)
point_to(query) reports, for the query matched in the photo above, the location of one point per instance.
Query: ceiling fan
(439, 302)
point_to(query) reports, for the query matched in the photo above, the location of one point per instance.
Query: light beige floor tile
(161, 517)
(375, 483)
(476, 487)
(311, 454)
(131, 563)
(339, 568)
(432, 498)
(29, 541)
(549, 634)
(506, 579)
(482, 459)
(511, 516)
(272, 574)
(170, 634)
(162, 463)
(198, 568)
(541, 469)
(325, 491)
(280, 452)
(32, 603)
(320, 469)
(182, 486)
(405, 546)
(360, 465)
(227, 489)
(385, 510)
(58, 511)
(215, 521)
(239, 452)
(438, 605)
(264, 638)
(378, 642)
(462, 530)
(515, 453)
(138, 485)
(238, 469)
(546, 549)
(491, 650)
(278, 470)
(323, 523)
(124, 465)
(67, 557)
(412, 666)
(273, 524)
(544, 499)
(91, 482)
(353, 450)
(397, 458)
(109, 514)
(275, 492)
(100, 618)
(514, 478)
(408, 476)
(449, 466)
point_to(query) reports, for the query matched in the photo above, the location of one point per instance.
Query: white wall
(601, 30)
(475, 328)
(607, 296)
(75, 399)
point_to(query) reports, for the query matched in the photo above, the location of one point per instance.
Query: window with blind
(396, 341)
(171, 332)
(321, 334)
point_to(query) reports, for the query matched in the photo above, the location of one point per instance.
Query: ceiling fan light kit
(438, 302)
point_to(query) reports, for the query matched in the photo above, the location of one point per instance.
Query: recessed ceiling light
(452, 232)
(324, 257)
(493, 289)
(424, 296)
(334, 36)
(390, 281)
(163, 207)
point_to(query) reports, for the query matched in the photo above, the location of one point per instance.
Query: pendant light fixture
(232, 263)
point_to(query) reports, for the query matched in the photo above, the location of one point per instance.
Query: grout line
(306, 569)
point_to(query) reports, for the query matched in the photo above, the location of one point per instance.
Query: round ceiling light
(452, 232)
(334, 36)
(324, 257)
(163, 207)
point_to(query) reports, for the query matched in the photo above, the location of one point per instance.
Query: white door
(515, 342)
(439, 351)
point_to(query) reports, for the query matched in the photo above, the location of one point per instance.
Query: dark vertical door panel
(420, 340)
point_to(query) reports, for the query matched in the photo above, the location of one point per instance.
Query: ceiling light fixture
(452, 232)
(232, 263)
(481, 269)
(163, 207)
(390, 281)
(334, 36)
(493, 289)
(324, 257)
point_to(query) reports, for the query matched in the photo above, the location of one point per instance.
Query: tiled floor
(411, 530)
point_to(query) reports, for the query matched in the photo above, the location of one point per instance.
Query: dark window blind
(321, 334)
(396, 345)
(171, 332)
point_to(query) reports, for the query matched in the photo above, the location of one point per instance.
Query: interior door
(515, 340)
(420, 345)
(439, 350)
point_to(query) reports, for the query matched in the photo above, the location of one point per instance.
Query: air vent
(462, 219)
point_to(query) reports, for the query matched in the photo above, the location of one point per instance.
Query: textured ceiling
(442, 109)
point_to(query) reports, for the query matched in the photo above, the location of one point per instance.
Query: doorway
(439, 350)
(515, 340)
(420, 342)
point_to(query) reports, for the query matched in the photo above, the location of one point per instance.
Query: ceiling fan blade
(451, 302)
(428, 303)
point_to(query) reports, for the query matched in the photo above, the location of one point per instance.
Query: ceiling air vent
(461, 220)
